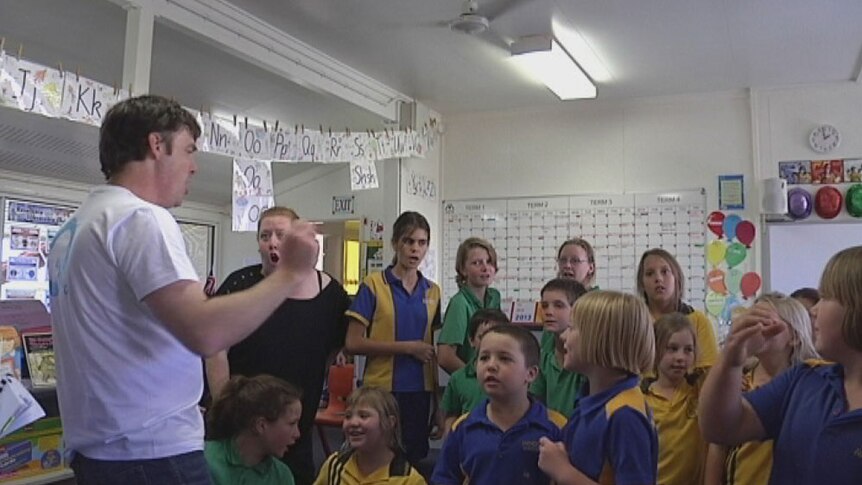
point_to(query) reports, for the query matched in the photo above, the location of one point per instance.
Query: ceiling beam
(236, 31)
(138, 52)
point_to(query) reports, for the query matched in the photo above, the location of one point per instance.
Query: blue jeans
(186, 469)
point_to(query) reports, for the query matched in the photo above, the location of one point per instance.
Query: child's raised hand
(552, 457)
(749, 333)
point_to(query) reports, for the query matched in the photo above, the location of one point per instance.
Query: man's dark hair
(126, 127)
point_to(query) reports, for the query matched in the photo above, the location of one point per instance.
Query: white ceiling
(650, 47)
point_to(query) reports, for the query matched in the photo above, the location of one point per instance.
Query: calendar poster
(527, 231)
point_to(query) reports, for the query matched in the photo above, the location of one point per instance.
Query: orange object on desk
(340, 383)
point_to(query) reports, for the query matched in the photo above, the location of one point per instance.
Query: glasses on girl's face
(571, 261)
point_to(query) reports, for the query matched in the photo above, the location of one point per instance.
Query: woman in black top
(295, 343)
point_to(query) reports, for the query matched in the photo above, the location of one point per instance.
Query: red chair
(340, 386)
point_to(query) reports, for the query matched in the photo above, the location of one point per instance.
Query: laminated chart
(527, 231)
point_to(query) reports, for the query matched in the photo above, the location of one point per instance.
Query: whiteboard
(527, 231)
(796, 253)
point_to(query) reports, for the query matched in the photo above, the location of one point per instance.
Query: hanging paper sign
(334, 147)
(28, 86)
(88, 101)
(363, 175)
(386, 143)
(8, 93)
(309, 147)
(252, 192)
(254, 142)
(28, 81)
(282, 146)
(218, 137)
(419, 141)
(372, 147)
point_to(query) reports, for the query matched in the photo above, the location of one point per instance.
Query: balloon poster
(728, 284)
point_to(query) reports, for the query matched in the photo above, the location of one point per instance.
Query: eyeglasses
(571, 261)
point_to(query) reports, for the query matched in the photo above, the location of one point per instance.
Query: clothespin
(295, 129)
(330, 132)
(59, 64)
(2, 43)
(20, 50)
(77, 73)
(116, 91)
(276, 126)
(234, 120)
(264, 126)
(303, 129)
(320, 128)
(246, 122)
(131, 89)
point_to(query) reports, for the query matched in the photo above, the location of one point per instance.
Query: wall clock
(824, 138)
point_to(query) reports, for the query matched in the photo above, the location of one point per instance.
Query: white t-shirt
(128, 389)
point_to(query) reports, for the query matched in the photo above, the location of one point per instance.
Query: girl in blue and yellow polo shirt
(392, 321)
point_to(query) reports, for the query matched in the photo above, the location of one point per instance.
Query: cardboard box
(33, 450)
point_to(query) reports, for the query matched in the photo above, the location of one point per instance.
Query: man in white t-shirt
(130, 317)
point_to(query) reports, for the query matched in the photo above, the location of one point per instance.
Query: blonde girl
(672, 395)
(252, 423)
(813, 410)
(751, 462)
(475, 268)
(373, 452)
(661, 283)
(610, 435)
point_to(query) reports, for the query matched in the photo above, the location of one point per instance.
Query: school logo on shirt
(530, 446)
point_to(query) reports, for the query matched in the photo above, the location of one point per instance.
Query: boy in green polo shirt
(555, 386)
(464, 392)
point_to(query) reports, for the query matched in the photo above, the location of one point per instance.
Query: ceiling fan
(475, 19)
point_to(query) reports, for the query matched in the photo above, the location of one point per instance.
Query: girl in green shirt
(252, 424)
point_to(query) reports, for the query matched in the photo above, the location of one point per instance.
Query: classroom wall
(588, 147)
(49, 189)
(310, 193)
(783, 119)
(425, 199)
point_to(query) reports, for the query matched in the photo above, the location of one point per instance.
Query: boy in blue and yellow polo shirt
(463, 392)
(498, 442)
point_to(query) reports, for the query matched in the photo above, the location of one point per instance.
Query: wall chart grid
(527, 231)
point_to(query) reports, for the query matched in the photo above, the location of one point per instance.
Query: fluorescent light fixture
(543, 58)
(577, 46)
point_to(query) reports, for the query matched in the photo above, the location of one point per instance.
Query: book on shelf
(10, 351)
(39, 350)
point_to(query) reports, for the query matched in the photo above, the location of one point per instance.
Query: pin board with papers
(527, 231)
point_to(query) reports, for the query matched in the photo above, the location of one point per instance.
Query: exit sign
(342, 204)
